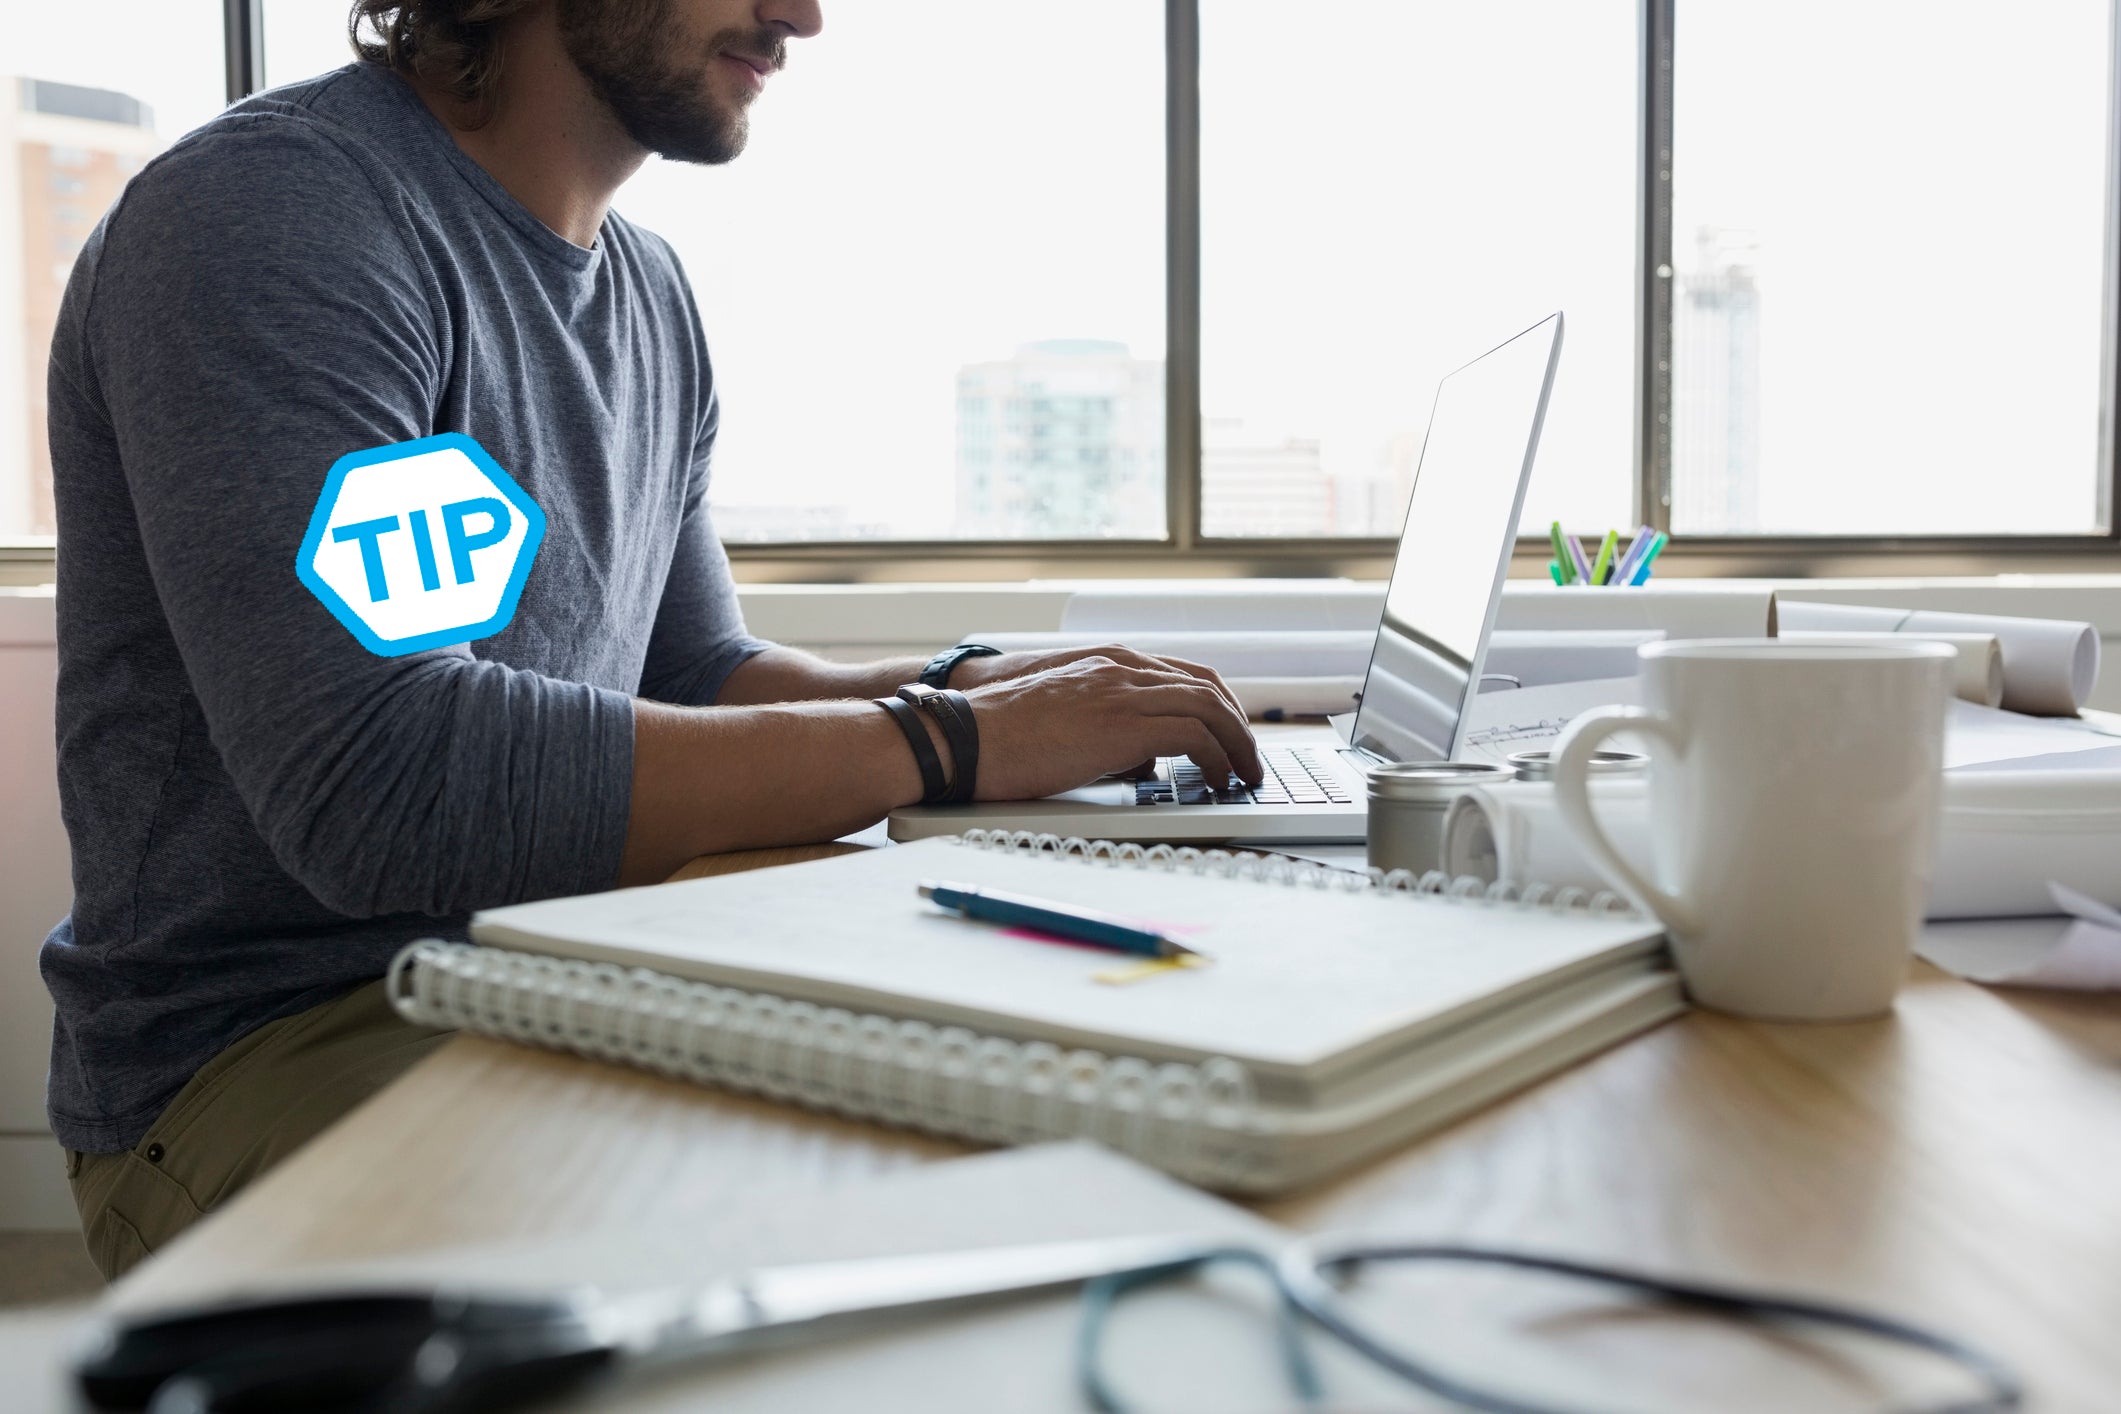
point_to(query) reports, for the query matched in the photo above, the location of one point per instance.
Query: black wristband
(933, 785)
(952, 711)
(937, 673)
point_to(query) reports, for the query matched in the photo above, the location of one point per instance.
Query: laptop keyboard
(1295, 775)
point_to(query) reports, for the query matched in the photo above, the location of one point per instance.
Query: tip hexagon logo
(420, 545)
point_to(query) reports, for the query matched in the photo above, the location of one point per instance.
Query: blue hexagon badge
(419, 545)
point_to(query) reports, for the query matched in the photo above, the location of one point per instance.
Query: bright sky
(1383, 200)
(1930, 204)
(166, 53)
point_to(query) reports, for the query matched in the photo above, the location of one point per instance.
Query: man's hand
(1100, 712)
(998, 667)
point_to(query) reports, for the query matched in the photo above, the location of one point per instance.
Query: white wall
(35, 892)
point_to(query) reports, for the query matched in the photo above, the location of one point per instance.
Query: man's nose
(801, 18)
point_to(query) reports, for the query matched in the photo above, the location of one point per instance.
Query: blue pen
(1080, 925)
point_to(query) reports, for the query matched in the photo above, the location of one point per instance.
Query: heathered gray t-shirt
(262, 811)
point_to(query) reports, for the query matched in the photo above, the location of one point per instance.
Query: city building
(1065, 440)
(1263, 484)
(1716, 387)
(65, 151)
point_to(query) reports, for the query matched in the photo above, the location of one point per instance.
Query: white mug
(1794, 796)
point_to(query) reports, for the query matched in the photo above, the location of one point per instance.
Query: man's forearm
(789, 675)
(709, 780)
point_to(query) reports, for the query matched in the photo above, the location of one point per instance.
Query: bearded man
(262, 810)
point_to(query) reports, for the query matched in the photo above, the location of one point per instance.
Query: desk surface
(1957, 1162)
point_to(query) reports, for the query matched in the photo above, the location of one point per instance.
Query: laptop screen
(1461, 524)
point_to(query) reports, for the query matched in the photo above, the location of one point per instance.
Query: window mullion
(1653, 440)
(243, 28)
(1182, 494)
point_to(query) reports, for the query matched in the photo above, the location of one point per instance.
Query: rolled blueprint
(1515, 833)
(1536, 657)
(1699, 608)
(1268, 653)
(1275, 698)
(1977, 676)
(1688, 608)
(2049, 665)
(1209, 606)
(2005, 836)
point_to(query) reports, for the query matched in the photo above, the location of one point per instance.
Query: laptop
(1432, 639)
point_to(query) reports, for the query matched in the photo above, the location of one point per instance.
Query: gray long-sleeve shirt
(262, 810)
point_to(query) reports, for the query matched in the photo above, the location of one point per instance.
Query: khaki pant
(246, 1109)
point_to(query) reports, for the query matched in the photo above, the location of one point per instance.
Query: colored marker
(1554, 570)
(1602, 571)
(1642, 571)
(1624, 572)
(1561, 555)
(1576, 558)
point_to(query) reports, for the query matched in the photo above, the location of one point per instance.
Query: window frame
(1185, 551)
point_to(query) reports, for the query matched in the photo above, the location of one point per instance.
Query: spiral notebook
(1341, 1013)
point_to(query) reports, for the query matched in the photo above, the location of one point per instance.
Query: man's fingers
(1195, 699)
(1211, 677)
(1188, 737)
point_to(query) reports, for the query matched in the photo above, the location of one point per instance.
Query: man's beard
(625, 48)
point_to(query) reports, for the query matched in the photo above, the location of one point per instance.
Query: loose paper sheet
(2077, 951)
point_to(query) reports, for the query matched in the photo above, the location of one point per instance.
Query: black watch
(937, 673)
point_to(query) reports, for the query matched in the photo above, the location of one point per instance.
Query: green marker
(1563, 561)
(1554, 570)
(1601, 571)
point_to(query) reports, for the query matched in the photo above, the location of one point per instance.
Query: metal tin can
(1408, 801)
(1539, 765)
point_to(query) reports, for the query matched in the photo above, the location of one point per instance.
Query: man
(262, 811)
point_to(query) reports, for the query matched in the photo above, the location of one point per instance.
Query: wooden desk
(1959, 1162)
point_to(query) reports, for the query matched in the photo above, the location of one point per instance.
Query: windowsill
(877, 620)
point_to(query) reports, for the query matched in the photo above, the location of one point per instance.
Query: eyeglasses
(436, 1350)
(1319, 1289)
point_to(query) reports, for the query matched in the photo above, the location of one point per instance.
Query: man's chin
(707, 141)
(707, 150)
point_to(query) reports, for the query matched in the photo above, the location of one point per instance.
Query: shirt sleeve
(699, 637)
(255, 314)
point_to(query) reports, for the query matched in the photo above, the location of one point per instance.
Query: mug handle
(1572, 766)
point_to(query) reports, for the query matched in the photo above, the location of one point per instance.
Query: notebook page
(1299, 975)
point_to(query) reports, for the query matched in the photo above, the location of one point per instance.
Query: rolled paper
(1977, 676)
(2005, 836)
(2050, 666)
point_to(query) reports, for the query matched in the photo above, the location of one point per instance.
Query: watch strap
(937, 673)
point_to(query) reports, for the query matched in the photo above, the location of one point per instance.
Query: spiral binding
(1190, 1120)
(1299, 873)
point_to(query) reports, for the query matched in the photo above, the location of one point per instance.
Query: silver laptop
(1431, 641)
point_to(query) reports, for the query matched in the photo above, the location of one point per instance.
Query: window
(1831, 269)
(303, 38)
(1889, 244)
(87, 94)
(1386, 199)
(934, 284)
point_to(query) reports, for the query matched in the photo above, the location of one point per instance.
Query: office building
(1716, 386)
(1253, 483)
(65, 152)
(1064, 440)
